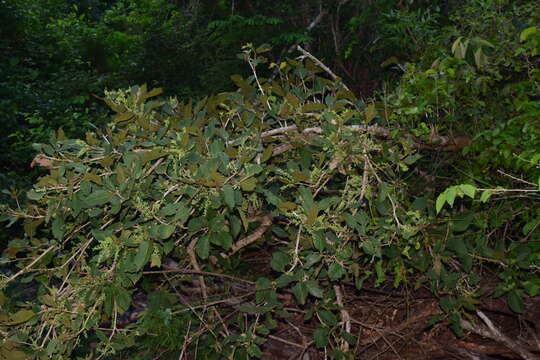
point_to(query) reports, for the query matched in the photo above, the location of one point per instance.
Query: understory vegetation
(205, 181)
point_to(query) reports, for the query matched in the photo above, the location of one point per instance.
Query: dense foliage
(139, 238)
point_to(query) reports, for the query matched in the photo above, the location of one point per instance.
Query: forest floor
(407, 323)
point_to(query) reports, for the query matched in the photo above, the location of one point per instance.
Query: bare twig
(29, 266)
(314, 23)
(195, 264)
(319, 63)
(286, 341)
(196, 272)
(345, 316)
(156, 164)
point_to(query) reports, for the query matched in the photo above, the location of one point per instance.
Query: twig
(365, 176)
(296, 248)
(27, 267)
(266, 222)
(345, 316)
(321, 65)
(156, 164)
(314, 23)
(196, 272)
(516, 178)
(195, 264)
(273, 337)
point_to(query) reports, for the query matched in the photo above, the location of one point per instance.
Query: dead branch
(266, 222)
(195, 264)
(345, 316)
(490, 331)
(320, 64)
(434, 142)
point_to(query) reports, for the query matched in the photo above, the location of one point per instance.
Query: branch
(314, 23)
(318, 62)
(345, 316)
(29, 266)
(435, 142)
(266, 222)
(492, 332)
(195, 264)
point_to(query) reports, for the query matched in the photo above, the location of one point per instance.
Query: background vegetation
(416, 168)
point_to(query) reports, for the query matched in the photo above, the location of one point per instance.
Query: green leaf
(248, 184)
(450, 195)
(307, 198)
(58, 227)
(122, 299)
(170, 209)
(321, 337)
(21, 316)
(468, 190)
(98, 198)
(527, 32)
(312, 215)
(335, 272)
(319, 240)
(203, 247)
(228, 196)
(154, 92)
(327, 317)
(515, 302)
(300, 291)
(312, 259)
(486, 194)
(311, 107)
(223, 239)
(279, 261)
(162, 231)
(143, 252)
(441, 200)
(152, 155)
(13, 354)
(286, 206)
(34, 195)
(314, 289)
(255, 351)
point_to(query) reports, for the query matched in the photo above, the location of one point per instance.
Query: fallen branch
(435, 142)
(492, 332)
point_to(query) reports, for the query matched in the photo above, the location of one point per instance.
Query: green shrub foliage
(192, 183)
